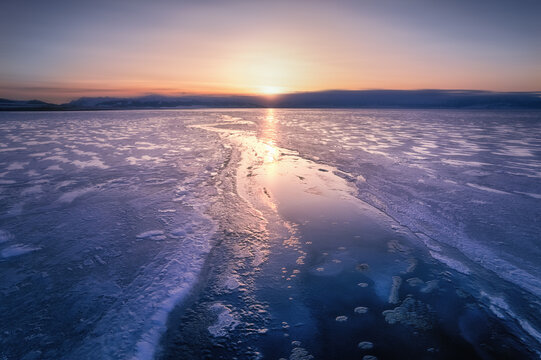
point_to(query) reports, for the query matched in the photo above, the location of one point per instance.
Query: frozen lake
(270, 233)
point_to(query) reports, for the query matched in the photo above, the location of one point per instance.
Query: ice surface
(83, 194)
(72, 212)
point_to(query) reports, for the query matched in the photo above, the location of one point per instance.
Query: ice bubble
(393, 296)
(415, 282)
(430, 286)
(88, 262)
(412, 313)
(363, 284)
(369, 357)
(299, 353)
(99, 260)
(365, 345)
(360, 310)
(413, 265)
(5, 236)
(341, 318)
(362, 267)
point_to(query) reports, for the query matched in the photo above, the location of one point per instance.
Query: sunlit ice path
(269, 233)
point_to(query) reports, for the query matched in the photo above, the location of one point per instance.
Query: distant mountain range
(413, 99)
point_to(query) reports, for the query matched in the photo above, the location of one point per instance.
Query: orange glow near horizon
(258, 48)
(272, 90)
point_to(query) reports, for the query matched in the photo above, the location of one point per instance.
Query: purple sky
(60, 50)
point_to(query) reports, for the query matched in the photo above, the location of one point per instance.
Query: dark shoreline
(348, 99)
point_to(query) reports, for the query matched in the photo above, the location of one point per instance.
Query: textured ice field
(106, 218)
(102, 229)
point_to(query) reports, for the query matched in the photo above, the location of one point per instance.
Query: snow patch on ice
(452, 263)
(134, 161)
(12, 149)
(17, 250)
(231, 283)
(499, 306)
(152, 234)
(57, 158)
(36, 189)
(72, 195)
(84, 153)
(485, 188)
(225, 322)
(95, 162)
(17, 165)
(54, 168)
(535, 196)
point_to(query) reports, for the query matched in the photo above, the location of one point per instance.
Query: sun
(271, 90)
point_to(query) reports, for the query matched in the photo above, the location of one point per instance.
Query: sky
(61, 50)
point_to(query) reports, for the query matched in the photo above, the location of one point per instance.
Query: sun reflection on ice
(271, 153)
(268, 136)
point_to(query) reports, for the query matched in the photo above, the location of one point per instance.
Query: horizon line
(265, 95)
